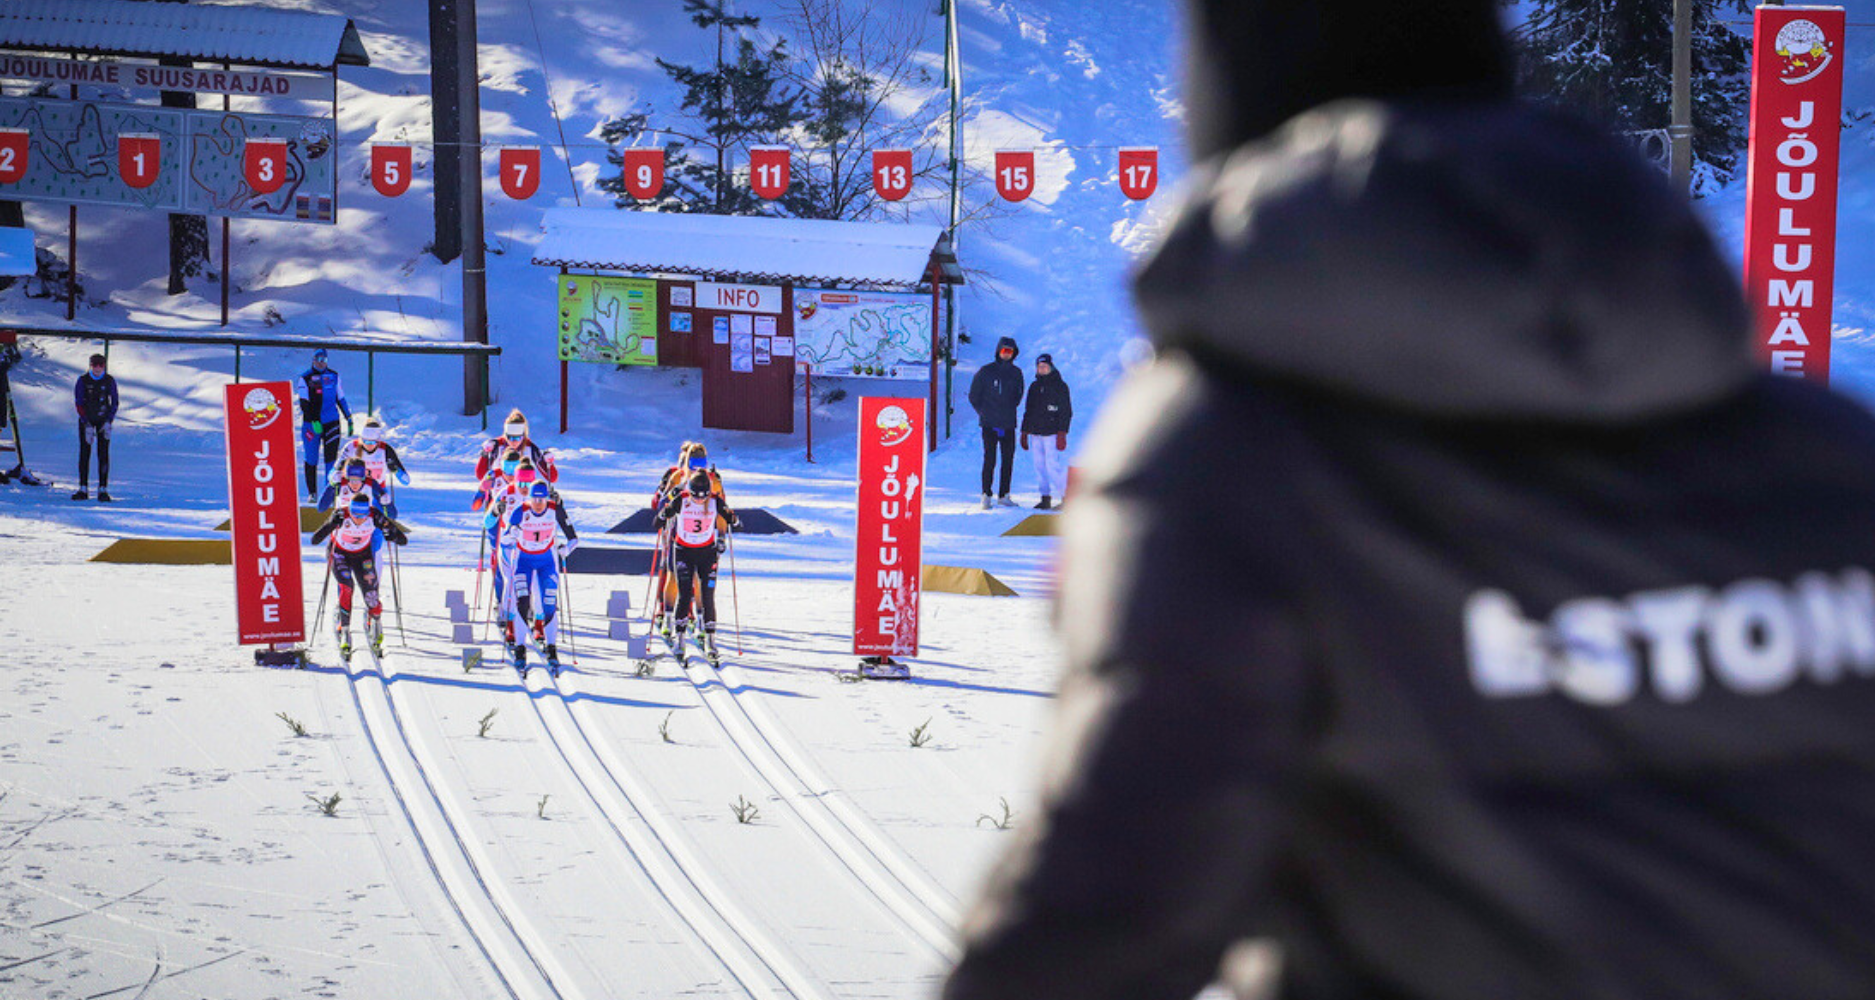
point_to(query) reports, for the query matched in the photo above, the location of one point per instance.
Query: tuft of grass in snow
(746, 811)
(487, 723)
(292, 723)
(921, 735)
(664, 728)
(329, 806)
(541, 808)
(1008, 820)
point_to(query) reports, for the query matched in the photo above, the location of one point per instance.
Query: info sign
(888, 564)
(174, 160)
(608, 320)
(1790, 192)
(263, 501)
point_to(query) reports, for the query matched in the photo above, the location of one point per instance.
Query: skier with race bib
(358, 532)
(355, 481)
(541, 535)
(514, 438)
(381, 461)
(700, 523)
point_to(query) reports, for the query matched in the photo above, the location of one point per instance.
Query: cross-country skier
(381, 461)
(514, 436)
(356, 481)
(321, 406)
(358, 533)
(700, 523)
(692, 458)
(542, 535)
(505, 490)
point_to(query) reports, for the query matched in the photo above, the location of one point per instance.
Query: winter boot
(520, 661)
(104, 495)
(677, 639)
(986, 501)
(345, 644)
(1047, 503)
(374, 632)
(664, 627)
(709, 646)
(1004, 501)
(553, 660)
(81, 494)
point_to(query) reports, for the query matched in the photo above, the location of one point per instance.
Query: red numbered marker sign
(263, 162)
(1139, 171)
(644, 172)
(139, 158)
(14, 143)
(390, 169)
(1015, 173)
(520, 172)
(768, 171)
(891, 173)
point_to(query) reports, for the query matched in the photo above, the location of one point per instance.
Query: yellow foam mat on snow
(169, 551)
(1033, 525)
(310, 518)
(965, 580)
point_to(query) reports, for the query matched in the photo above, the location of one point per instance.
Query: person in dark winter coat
(1524, 644)
(1045, 420)
(9, 356)
(94, 396)
(322, 406)
(996, 394)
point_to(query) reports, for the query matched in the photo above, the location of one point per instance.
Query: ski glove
(1025, 442)
(403, 478)
(722, 542)
(1061, 441)
(348, 427)
(567, 548)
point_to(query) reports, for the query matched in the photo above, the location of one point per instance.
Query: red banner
(643, 172)
(1139, 171)
(1790, 192)
(139, 159)
(768, 171)
(888, 567)
(263, 499)
(263, 162)
(14, 143)
(390, 169)
(520, 172)
(1015, 173)
(891, 173)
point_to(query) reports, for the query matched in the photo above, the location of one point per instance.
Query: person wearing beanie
(996, 395)
(94, 396)
(322, 405)
(1523, 641)
(1045, 420)
(514, 435)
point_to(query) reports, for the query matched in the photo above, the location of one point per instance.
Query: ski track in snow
(862, 848)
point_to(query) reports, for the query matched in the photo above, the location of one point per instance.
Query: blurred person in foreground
(1526, 646)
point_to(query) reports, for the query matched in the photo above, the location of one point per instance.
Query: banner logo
(1803, 50)
(894, 426)
(262, 407)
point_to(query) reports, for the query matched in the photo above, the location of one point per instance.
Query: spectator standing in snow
(321, 406)
(996, 395)
(94, 396)
(1524, 640)
(9, 356)
(1045, 419)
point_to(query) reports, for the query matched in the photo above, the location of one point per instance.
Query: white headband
(371, 432)
(515, 428)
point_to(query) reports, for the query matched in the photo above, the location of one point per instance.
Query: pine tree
(1612, 60)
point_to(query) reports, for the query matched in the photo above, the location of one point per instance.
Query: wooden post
(563, 395)
(807, 405)
(71, 260)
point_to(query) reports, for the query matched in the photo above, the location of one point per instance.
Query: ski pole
(397, 599)
(734, 598)
(566, 609)
(481, 549)
(657, 559)
(320, 618)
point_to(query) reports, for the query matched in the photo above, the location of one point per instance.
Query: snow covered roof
(244, 36)
(802, 251)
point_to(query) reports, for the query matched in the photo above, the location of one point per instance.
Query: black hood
(1009, 342)
(1471, 259)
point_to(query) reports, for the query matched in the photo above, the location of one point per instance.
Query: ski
(875, 669)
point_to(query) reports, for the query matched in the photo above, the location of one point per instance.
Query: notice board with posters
(608, 320)
(746, 386)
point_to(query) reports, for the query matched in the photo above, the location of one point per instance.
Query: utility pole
(953, 79)
(1680, 133)
(456, 89)
(722, 177)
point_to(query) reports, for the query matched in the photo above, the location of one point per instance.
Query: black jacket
(996, 390)
(1532, 652)
(1049, 409)
(95, 398)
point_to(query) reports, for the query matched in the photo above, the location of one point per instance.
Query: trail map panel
(863, 334)
(74, 159)
(608, 320)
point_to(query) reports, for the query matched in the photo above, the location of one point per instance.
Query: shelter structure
(733, 292)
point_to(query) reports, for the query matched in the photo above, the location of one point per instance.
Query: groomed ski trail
(862, 848)
(652, 841)
(525, 968)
